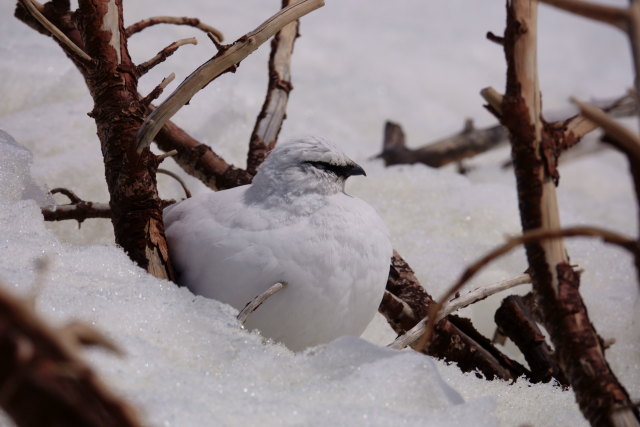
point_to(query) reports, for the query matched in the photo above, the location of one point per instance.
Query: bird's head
(306, 166)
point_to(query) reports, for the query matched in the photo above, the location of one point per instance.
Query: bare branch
(624, 140)
(163, 55)
(216, 42)
(273, 112)
(157, 91)
(456, 340)
(199, 160)
(495, 38)
(515, 321)
(528, 237)
(41, 366)
(467, 143)
(627, 140)
(220, 63)
(79, 211)
(34, 9)
(257, 301)
(618, 17)
(187, 193)
(193, 22)
(70, 194)
(456, 304)
(166, 155)
(493, 98)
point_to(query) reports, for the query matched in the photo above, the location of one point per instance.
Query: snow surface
(357, 64)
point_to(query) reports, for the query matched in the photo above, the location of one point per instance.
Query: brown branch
(273, 112)
(627, 20)
(457, 303)
(163, 55)
(199, 160)
(618, 17)
(533, 236)
(625, 141)
(222, 62)
(43, 380)
(406, 302)
(470, 141)
(35, 9)
(78, 209)
(467, 143)
(628, 142)
(73, 197)
(157, 91)
(515, 321)
(495, 38)
(193, 22)
(187, 193)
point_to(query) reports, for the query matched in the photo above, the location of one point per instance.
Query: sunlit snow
(358, 63)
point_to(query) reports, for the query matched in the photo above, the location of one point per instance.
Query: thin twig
(528, 237)
(34, 9)
(220, 63)
(257, 301)
(216, 42)
(79, 211)
(157, 91)
(456, 304)
(164, 54)
(70, 194)
(193, 22)
(187, 193)
(166, 155)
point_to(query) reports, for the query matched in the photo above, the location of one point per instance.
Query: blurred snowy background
(358, 63)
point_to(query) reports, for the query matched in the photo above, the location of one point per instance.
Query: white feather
(293, 224)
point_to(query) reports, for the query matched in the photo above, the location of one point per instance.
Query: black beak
(355, 169)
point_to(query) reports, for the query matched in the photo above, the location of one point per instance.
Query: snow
(357, 64)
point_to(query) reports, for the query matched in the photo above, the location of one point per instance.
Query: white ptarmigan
(293, 224)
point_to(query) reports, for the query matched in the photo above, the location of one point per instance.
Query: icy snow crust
(358, 63)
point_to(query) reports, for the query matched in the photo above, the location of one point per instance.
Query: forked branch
(224, 61)
(78, 209)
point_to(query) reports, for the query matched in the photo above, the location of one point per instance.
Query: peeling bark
(455, 339)
(580, 355)
(516, 322)
(273, 112)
